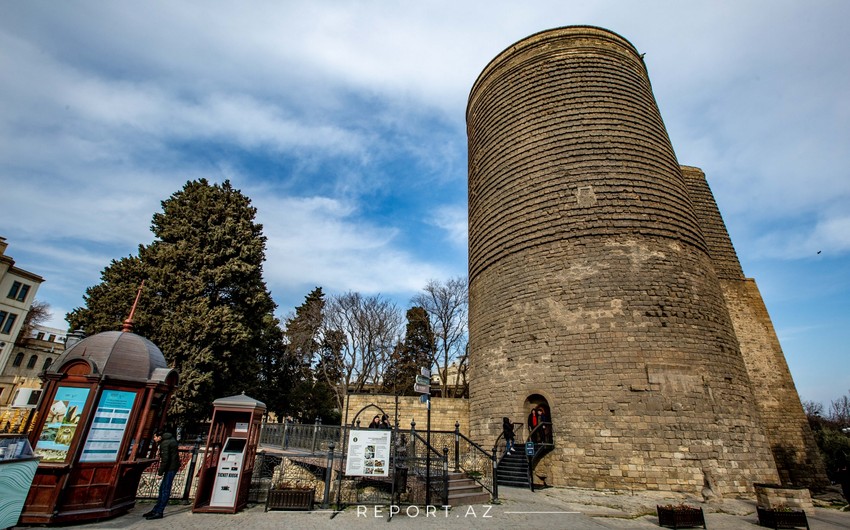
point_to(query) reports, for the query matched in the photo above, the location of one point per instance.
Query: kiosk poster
(108, 426)
(368, 453)
(62, 419)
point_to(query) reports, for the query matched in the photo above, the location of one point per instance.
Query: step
(465, 499)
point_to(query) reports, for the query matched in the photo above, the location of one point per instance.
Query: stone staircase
(513, 470)
(462, 490)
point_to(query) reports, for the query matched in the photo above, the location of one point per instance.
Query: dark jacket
(169, 458)
(507, 429)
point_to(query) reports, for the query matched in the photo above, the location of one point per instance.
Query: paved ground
(548, 508)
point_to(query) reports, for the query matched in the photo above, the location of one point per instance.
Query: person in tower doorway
(169, 464)
(508, 434)
(376, 422)
(385, 423)
(532, 424)
(546, 426)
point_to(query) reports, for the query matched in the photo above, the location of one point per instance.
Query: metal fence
(312, 457)
(185, 481)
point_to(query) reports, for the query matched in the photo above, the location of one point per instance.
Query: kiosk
(230, 467)
(225, 474)
(102, 400)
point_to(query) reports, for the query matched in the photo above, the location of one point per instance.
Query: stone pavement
(569, 508)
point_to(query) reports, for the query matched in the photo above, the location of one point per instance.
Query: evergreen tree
(108, 303)
(414, 353)
(205, 303)
(310, 393)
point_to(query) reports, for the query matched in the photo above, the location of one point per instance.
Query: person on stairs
(508, 434)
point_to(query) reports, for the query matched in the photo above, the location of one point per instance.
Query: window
(39, 335)
(32, 361)
(19, 291)
(19, 358)
(47, 363)
(6, 327)
(51, 338)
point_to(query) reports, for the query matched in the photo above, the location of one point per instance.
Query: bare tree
(813, 408)
(447, 305)
(839, 411)
(372, 327)
(39, 312)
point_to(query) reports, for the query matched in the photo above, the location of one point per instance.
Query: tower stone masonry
(604, 286)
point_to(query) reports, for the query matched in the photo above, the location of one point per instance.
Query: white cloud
(319, 241)
(453, 219)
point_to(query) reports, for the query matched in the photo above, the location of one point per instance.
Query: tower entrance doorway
(539, 419)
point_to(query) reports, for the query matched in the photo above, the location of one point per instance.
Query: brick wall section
(795, 452)
(720, 248)
(444, 411)
(590, 278)
(791, 439)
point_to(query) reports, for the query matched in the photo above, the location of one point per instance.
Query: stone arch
(535, 401)
(364, 409)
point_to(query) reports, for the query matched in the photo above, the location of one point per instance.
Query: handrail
(518, 428)
(443, 457)
(494, 487)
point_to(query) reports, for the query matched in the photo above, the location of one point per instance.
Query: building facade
(604, 286)
(17, 293)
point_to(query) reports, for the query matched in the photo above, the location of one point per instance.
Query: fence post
(495, 479)
(445, 476)
(457, 447)
(315, 432)
(413, 438)
(328, 475)
(191, 471)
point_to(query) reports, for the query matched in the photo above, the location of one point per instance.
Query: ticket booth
(225, 474)
(102, 400)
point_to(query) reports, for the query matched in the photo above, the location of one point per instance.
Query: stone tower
(593, 287)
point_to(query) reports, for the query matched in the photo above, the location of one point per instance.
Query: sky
(344, 122)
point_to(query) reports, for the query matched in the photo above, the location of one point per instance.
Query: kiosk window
(235, 445)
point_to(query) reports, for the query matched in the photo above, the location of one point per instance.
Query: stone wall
(444, 411)
(795, 452)
(591, 284)
(791, 440)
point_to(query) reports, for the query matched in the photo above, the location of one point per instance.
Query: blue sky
(345, 124)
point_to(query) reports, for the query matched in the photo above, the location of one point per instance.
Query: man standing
(169, 464)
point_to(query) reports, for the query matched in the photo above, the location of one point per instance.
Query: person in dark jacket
(508, 433)
(169, 464)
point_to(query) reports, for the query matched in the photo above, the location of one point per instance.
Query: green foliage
(205, 303)
(407, 358)
(833, 442)
(835, 448)
(311, 389)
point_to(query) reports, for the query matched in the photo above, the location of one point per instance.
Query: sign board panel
(529, 448)
(368, 453)
(424, 398)
(108, 427)
(422, 389)
(422, 380)
(61, 424)
(425, 372)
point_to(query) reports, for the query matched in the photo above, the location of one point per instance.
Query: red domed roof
(119, 355)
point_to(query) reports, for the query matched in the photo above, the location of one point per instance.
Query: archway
(538, 419)
(355, 423)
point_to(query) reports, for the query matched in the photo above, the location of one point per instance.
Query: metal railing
(185, 481)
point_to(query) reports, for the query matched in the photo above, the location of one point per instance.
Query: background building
(17, 292)
(19, 378)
